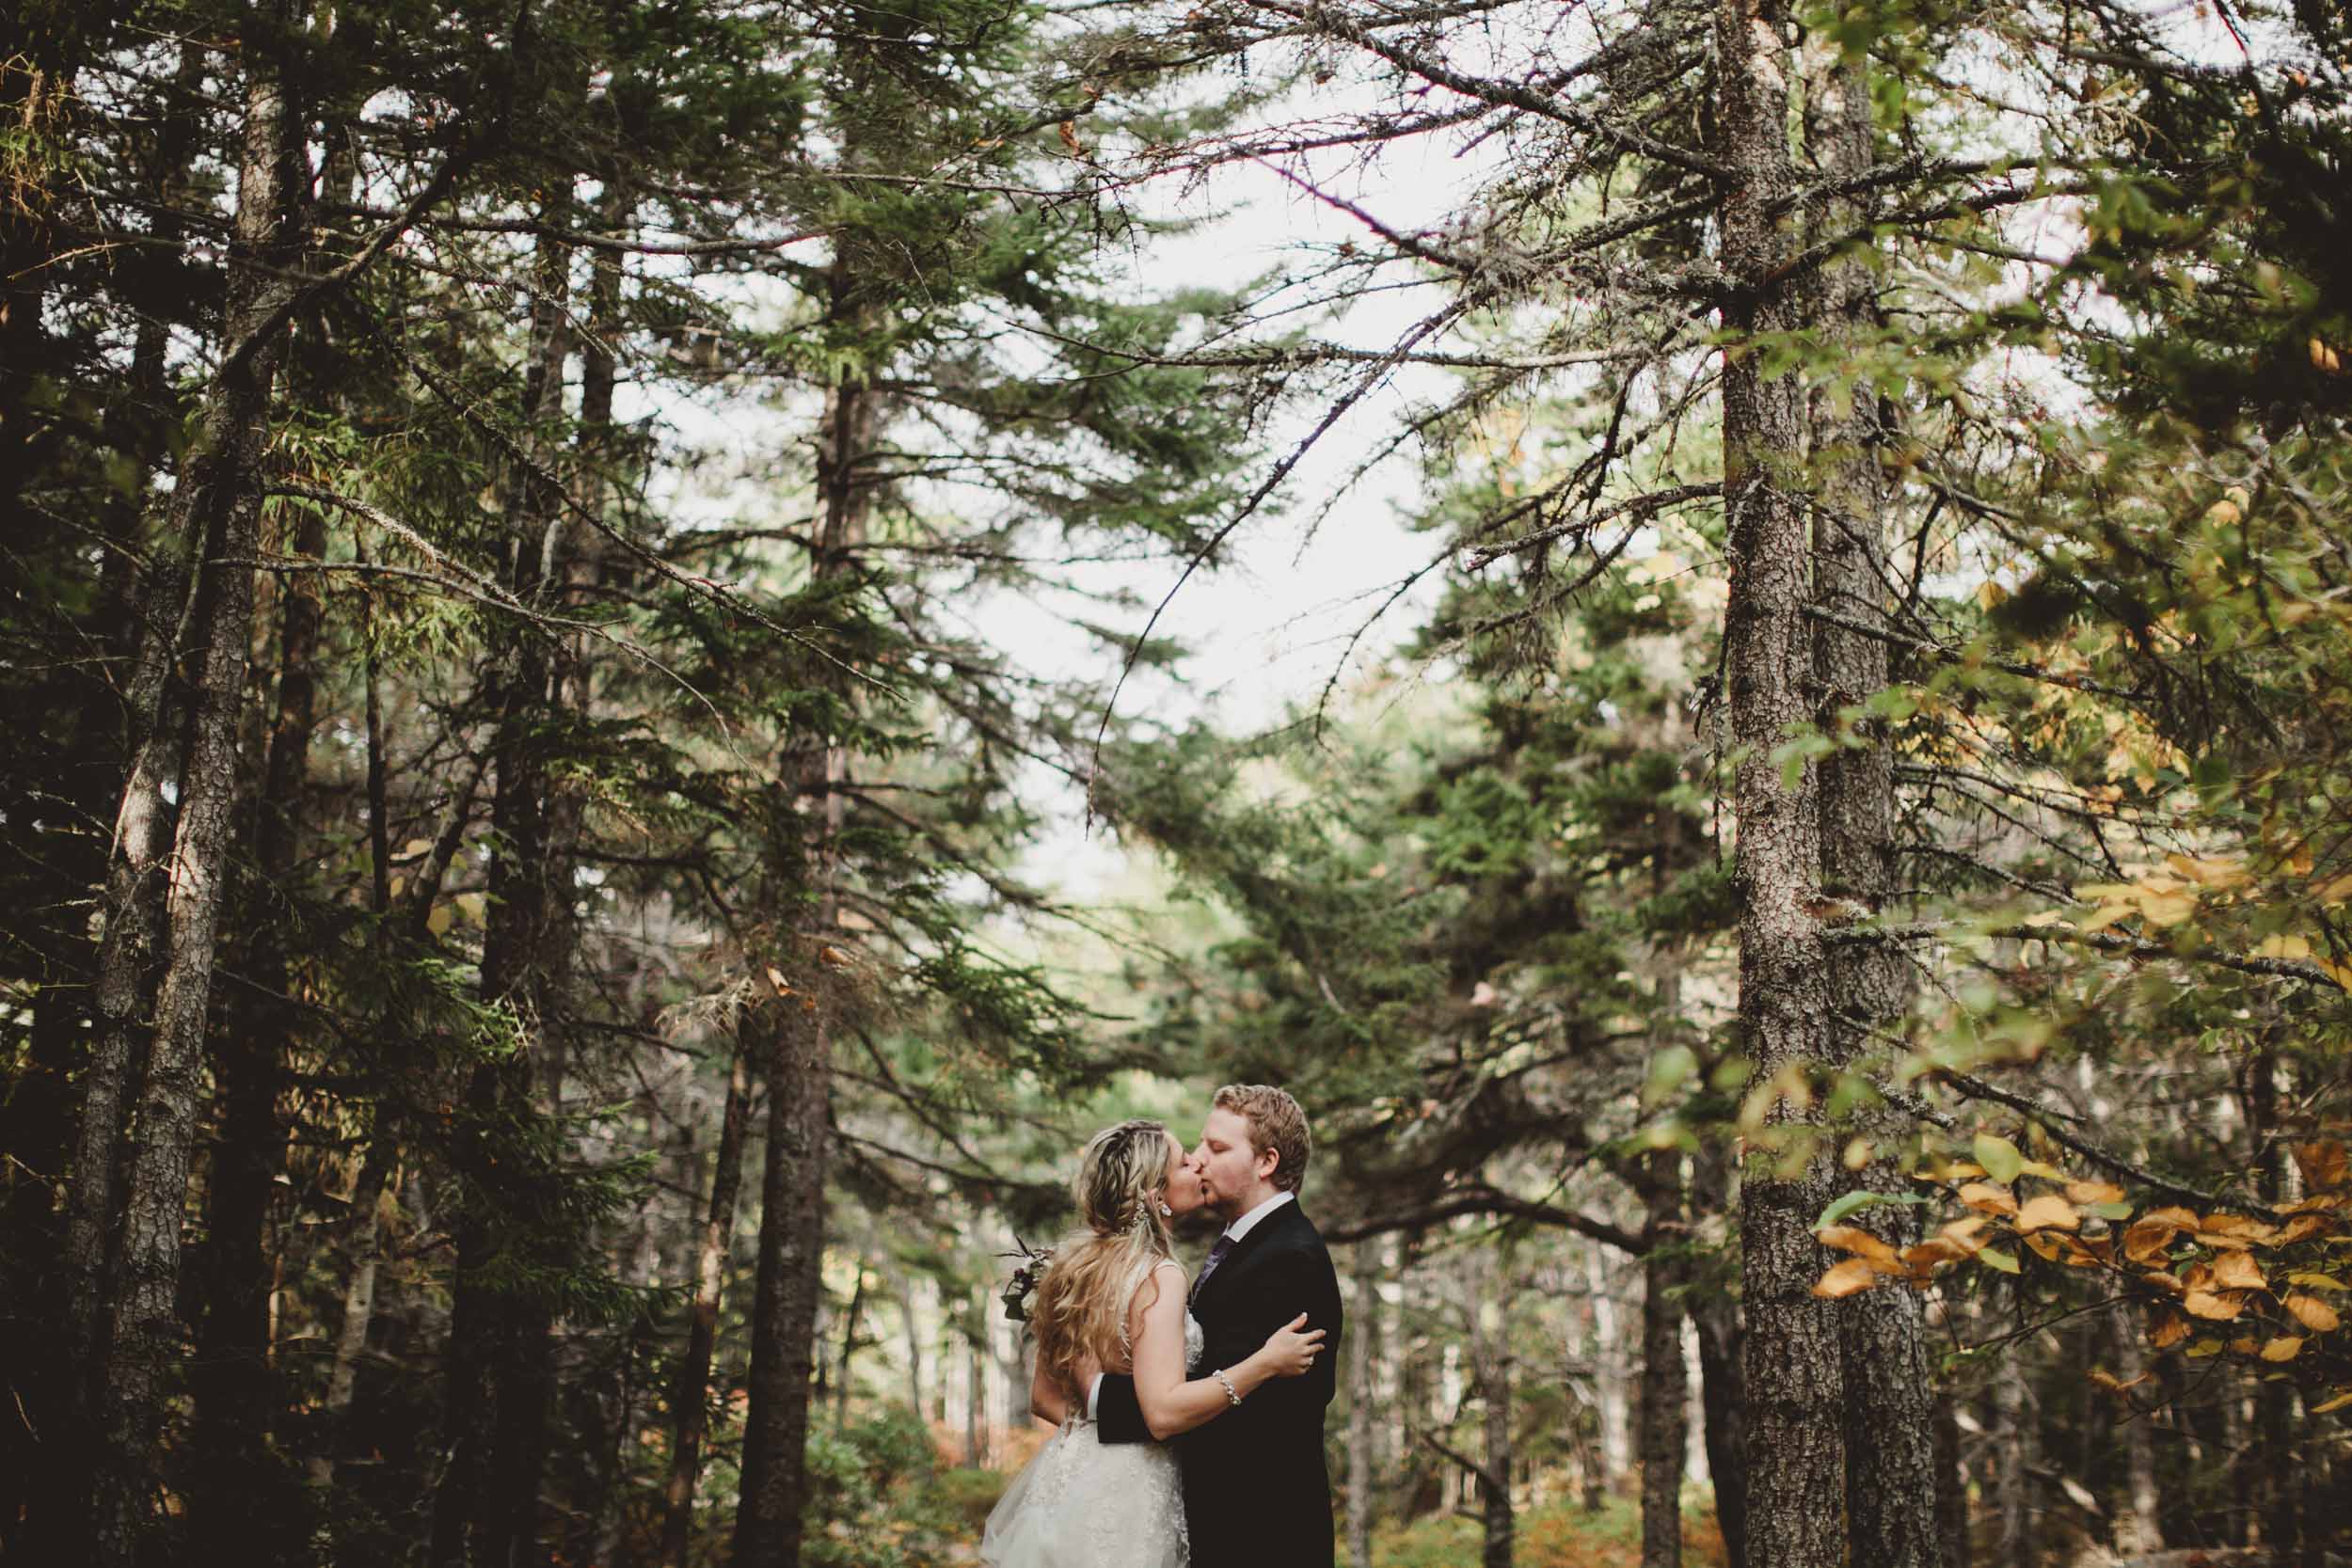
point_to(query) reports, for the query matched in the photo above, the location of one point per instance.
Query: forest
(608, 776)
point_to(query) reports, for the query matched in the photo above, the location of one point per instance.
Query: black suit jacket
(1256, 1491)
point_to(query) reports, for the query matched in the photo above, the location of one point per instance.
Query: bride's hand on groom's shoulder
(1291, 1350)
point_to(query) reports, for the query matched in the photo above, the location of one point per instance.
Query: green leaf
(1854, 1202)
(1998, 1156)
(1992, 1256)
(1668, 1069)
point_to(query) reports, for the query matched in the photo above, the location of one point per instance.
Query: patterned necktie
(1217, 1256)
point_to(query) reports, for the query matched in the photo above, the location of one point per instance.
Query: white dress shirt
(1233, 1233)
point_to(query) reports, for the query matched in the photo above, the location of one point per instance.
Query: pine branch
(2051, 1122)
(1485, 1477)
(1955, 656)
(1507, 95)
(2105, 942)
(1494, 1205)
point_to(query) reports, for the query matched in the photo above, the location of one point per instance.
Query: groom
(1256, 1491)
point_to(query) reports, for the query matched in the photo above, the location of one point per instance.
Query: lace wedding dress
(1084, 1503)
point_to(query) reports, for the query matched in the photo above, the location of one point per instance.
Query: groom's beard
(1200, 1225)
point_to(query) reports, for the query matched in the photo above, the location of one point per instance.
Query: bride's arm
(1048, 1400)
(1170, 1404)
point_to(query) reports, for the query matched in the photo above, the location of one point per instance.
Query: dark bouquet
(1024, 1278)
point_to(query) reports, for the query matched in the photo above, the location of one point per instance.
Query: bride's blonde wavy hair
(1081, 1311)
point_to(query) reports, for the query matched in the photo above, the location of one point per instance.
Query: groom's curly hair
(1276, 1122)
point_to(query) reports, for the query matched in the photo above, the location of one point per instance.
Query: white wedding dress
(1085, 1503)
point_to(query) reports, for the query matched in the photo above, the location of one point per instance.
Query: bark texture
(798, 1064)
(230, 1379)
(1722, 1399)
(1794, 1384)
(366, 1250)
(690, 1397)
(1663, 1420)
(217, 512)
(1491, 1360)
(1889, 1390)
(1365, 1309)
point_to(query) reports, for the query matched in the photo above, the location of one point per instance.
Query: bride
(1112, 1301)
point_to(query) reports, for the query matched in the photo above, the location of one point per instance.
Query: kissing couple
(1191, 1419)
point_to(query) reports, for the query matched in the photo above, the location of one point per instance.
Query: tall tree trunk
(975, 1400)
(2139, 1525)
(1951, 1490)
(769, 1519)
(48, 1455)
(1664, 1407)
(230, 1380)
(800, 1065)
(499, 1372)
(365, 1248)
(217, 511)
(1491, 1351)
(1665, 1395)
(1795, 1400)
(1614, 1376)
(1365, 1309)
(1722, 1396)
(911, 1308)
(1889, 1390)
(351, 1335)
(2012, 1448)
(2271, 1453)
(848, 1348)
(691, 1398)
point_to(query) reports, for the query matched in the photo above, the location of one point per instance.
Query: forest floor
(939, 1517)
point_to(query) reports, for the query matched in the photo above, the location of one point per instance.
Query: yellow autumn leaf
(2314, 1313)
(2048, 1212)
(2237, 1271)
(2337, 1403)
(2287, 947)
(2146, 1241)
(1963, 1230)
(1987, 1198)
(1853, 1239)
(1934, 1250)
(2168, 1330)
(2211, 873)
(1845, 1278)
(2094, 1192)
(2283, 1348)
(2323, 1164)
(2205, 1303)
